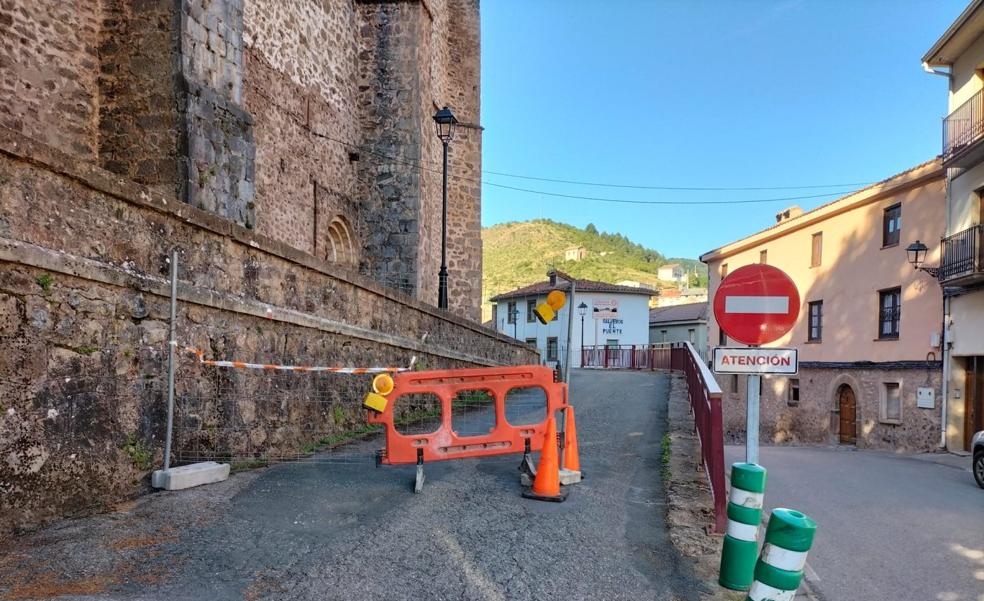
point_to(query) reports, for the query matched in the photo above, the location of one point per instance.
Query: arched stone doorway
(847, 409)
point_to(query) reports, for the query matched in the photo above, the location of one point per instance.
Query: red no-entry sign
(756, 304)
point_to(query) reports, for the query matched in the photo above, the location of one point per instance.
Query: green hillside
(519, 253)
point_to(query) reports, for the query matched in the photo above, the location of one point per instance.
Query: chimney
(793, 211)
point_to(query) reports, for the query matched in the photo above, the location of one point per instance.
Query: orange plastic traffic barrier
(443, 443)
(572, 461)
(546, 485)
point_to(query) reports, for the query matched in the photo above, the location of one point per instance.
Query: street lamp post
(445, 121)
(581, 310)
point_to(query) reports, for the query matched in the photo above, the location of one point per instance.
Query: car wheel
(979, 468)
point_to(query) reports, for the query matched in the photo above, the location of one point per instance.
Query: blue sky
(701, 94)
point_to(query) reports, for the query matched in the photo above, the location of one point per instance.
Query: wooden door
(973, 399)
(847, 406)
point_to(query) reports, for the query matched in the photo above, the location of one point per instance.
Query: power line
(676, 188)
(662, 202)
(630, 186)
(420, 164)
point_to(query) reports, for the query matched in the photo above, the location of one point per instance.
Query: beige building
(868, 332)
(575, 253)
(672, 272)
(961, 271)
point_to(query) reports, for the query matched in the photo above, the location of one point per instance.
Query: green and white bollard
(779, 571)
(740, 548)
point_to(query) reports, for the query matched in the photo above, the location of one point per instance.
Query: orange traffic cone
(546, 485)
(571, 460)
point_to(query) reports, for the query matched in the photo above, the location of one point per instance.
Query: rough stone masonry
(286, 150)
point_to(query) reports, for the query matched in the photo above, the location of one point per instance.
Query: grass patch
(467, 399)
(141, 457)
(45, 281)
(664, 458)
(309, 447)
(338, 415)
(249, 464)
(416, 416)
(86, 350)
(349, 435)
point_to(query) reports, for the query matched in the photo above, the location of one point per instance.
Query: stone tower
(308, 121)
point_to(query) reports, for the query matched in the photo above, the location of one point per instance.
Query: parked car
(977, 447)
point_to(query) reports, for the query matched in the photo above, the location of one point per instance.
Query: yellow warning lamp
(545, 312)
(376, 400)
(383, 384)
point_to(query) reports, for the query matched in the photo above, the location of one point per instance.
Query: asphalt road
(890, 527)
(351, 531)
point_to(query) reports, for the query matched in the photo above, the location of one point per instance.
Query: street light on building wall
(582, 309)
(445, 121)
(916, 253)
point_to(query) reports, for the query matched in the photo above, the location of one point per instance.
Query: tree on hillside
(591, 229)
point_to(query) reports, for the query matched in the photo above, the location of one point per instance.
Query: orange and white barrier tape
(304, 368)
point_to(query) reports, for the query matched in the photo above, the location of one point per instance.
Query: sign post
(755, 304)
(752, 419)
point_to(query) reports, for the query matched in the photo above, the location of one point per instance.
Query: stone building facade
(309, 121)
(868, 332)
(286, 151)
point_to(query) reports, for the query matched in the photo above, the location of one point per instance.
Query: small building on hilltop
(672, 272)
(604, 315)
(575, 253)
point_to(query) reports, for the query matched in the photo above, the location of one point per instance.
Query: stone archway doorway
(847, 407)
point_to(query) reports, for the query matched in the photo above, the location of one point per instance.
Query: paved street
(350, 531)
(890, 527)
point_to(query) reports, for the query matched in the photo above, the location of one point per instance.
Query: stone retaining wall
(83, 325)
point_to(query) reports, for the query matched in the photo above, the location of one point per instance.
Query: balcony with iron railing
(963, 133)
(962, 261)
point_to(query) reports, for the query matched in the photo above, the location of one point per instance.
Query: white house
(609, 314)
(671, 272)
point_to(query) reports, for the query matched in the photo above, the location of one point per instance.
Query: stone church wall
(288, 151)
(83, 323)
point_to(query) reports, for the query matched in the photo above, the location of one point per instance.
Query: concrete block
(187, 476)
(568, 477)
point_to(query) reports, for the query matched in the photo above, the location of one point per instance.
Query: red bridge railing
(705, 401)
